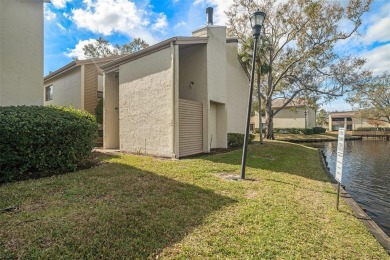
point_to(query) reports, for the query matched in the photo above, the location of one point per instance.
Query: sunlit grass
(140, 207)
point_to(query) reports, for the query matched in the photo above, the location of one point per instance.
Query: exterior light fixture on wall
(257, 20)
(192, 84)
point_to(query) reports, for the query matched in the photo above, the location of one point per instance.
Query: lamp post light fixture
(305, 118)
(256, 20)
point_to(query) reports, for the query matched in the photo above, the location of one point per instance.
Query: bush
(308, 131)
(44, 140)
(289, 130)
(237, 140)
(319, 130)
(373, 129)
(257, 130)
(99, 112)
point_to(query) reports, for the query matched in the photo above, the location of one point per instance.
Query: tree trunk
(269, 120)
(259, 98)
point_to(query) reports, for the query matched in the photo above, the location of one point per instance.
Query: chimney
(209, 12)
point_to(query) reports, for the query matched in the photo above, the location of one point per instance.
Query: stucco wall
(237, 91)
(294, 118)
(216, 64)
(290, 118)
(311, 118)
(193, 68)
(66, 89)
(145, 104)
(21, 52)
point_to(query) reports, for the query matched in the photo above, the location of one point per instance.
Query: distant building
(296, 114)
(21, 52)
(78, 84)
(347, 119)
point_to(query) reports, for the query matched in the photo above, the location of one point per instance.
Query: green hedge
(289, 130)
(319, 130)
(99, 112)
(44, 140)
(306, 131)
(237, 140)
(373, 129)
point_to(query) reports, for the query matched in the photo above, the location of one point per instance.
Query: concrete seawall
(358, 212)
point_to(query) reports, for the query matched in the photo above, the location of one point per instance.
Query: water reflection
(366, 175)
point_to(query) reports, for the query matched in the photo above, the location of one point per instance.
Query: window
(100, 94)
(49, 93)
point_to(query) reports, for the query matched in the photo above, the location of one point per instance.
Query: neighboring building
(294, 115)
(348, 119)
(176, 98)
(21, 52)
(78, 84)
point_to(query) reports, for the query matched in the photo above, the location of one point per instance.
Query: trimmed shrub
(308, 131)
(319, 130)
(99, 112)
(257, 130)
(289, 130)
(44, 140)
(237, 140)
(373, 129)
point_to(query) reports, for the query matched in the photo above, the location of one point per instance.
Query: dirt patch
(228, 176)
(233, 177)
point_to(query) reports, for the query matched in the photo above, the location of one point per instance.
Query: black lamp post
(305, 117)
(257, 20)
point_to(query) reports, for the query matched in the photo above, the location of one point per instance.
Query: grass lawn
(142, 207)
(287, 137)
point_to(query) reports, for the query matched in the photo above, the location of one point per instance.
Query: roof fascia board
(76, 63)
(60, 71)
(114, 65)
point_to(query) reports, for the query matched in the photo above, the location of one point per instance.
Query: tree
(373, 98)
(297, 48)
(376, 123)
(322, 118)
(136, 45)
(102, 48)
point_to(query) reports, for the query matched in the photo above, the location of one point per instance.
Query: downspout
(173, 99)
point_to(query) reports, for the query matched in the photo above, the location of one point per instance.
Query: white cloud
(59, 3)
(220, 6)
(49, 15)
(378, 30)
(114, 16)
(378, 59)
(180, 24)
(77, 51)
(161, 23)
(61, 26)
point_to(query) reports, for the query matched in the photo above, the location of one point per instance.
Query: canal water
(366, 175)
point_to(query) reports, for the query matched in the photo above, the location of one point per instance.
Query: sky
(70, 24)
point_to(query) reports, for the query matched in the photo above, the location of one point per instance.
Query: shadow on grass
(96, 159)
(112, 211)
(277, 157)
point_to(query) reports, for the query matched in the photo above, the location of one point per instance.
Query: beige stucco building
(296, 114)
(78, 84)
(350, 120)
(176, 98)
(21, 52)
